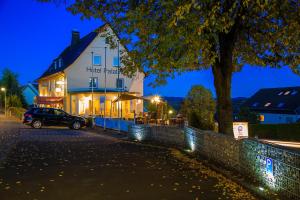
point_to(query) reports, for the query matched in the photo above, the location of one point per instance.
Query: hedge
(288, 132)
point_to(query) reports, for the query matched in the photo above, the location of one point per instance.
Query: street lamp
(156, 100)
(4, 90)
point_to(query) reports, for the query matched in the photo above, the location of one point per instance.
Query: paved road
(63, 164)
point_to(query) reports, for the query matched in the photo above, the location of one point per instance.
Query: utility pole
(104, 89)
(118, 86)
(92, 81)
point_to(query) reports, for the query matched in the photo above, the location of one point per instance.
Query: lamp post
(4, 90)
(156, 100)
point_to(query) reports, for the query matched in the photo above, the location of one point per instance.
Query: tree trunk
(222, 70)
(222, 82)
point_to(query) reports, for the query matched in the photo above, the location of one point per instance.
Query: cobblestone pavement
(63, 164)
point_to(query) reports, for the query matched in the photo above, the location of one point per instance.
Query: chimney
(75, 37)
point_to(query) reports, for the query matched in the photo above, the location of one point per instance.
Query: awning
(126, 97)
(49, 100)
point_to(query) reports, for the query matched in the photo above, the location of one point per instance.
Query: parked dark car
(38, 117)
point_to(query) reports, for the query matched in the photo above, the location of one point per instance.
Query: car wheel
(37, 124)
(76, 125)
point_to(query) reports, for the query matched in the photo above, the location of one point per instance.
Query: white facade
(74, 82)
(78, 74)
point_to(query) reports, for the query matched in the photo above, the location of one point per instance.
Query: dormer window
(287, 92)
(60, 62)
(55, 64)
(267, 104)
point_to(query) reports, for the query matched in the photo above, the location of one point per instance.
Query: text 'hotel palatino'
(75, 81)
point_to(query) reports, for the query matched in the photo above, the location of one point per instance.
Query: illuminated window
(280, 93)
(267, 104)
(120, 83)
(116, 61)
(93, 83)
(287, 92)
(97, 60)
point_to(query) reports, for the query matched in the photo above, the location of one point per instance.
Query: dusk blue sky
(32, 34)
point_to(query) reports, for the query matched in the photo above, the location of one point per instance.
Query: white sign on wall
(240, 130)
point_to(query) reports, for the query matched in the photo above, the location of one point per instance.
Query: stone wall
(248, 157)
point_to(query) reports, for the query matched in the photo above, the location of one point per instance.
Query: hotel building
(75, 80)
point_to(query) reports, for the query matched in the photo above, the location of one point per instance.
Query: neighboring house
(30, 91)
(75, 81)
(276, 105)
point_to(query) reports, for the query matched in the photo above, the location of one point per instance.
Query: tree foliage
(247, 115)
(9, 80)
(167, 37)
(199, 107)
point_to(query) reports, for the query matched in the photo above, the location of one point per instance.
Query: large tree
(9, 80)
(199, 107)
(167, 37)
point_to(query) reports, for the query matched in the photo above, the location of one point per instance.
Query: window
(267, 104)
(116, 62)
(93, 83)
(287, 92)
(55, 64)
(120, 83)
(106, 40)
(280, 93)
(255, 104)
(60, 63)
(97, 60)
(280, 105)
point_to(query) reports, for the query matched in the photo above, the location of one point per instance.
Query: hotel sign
(240, 130)
(101, 70)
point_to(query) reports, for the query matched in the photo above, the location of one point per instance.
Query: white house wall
(78, 74)
(270, 118)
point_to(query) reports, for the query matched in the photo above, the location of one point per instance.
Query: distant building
(30, 91)
(75, 80)
(276, 105)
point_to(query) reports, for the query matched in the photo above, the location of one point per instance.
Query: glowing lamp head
(170, 111)
(3, 89)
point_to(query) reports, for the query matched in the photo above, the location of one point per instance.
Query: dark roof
(237, 102)
(36, 86)
(275, 100)
(72, 52)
